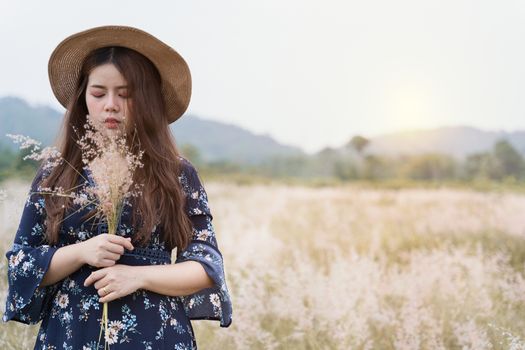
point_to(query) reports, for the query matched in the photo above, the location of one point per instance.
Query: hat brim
(67, 58)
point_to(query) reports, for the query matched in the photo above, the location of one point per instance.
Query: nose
(111, 104)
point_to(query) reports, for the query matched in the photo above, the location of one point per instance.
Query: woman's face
(107, 99)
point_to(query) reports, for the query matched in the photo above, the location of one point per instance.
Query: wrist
(79, 252)
(141, 276)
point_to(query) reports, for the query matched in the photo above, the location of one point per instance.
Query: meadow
(353, 267)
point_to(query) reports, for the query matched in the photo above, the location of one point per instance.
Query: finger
(115, 248)
(125, 242)
(111, 296)
(100, 288)
(111, 256)
(94, 276)
(90, 279)
(107, 263)
(87, 281)
(100, 284)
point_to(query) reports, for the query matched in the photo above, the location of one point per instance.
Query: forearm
(178, 279)
(64, 262)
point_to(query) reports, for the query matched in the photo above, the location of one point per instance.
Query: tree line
(501, 163)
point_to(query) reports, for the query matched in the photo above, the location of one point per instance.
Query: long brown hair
(162, 199)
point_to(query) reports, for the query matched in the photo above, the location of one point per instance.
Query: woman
(63, 264)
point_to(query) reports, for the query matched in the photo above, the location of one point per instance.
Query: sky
(310, 74)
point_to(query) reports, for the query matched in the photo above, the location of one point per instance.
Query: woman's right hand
(104, 250)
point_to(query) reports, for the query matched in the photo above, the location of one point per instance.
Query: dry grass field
(352, 267)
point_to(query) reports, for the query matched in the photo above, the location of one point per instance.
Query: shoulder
(188, 176)
(44, 170)
(186, 167)
(185, 162)
(196, 196)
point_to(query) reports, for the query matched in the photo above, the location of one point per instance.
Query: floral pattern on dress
(211, 303)
(71, 313)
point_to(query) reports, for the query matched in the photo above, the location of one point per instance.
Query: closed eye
(102, 95)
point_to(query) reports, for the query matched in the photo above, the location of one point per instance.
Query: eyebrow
(103, 87)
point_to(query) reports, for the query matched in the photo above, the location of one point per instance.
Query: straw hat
(67, 58)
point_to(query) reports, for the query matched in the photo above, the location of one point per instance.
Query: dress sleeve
(27, 262)
(211, 303)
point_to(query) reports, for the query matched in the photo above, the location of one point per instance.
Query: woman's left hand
(117, 280)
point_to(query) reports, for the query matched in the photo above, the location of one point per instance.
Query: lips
(112, 123)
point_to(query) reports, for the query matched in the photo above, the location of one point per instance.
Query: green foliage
(345, 170)
(378, 168)
(12, 164)
(191, 153)
(478, 166)
(358, 143)
(503, 164)
(430, 167)
(507, 161)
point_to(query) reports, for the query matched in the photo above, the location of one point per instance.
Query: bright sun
(408, 107)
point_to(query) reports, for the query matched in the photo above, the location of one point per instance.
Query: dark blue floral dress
(71, 313)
